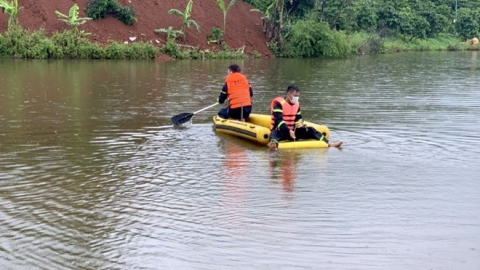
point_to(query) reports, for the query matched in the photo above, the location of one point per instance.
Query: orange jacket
(289, 112)
(238, 90)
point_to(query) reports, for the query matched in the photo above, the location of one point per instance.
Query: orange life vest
(289, 112)
(238, 90)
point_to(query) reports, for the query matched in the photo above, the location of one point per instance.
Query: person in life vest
(239, 94)
(287, 122)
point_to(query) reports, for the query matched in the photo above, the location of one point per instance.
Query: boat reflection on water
(236, 161)
(283, 168)
(288, 167)
(235, 179)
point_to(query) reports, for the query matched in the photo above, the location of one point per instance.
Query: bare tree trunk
(269, 28)
(273, 27)
(280, 23)
(322, 10)
(344, 4)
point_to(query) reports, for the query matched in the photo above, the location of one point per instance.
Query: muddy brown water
(93, 176)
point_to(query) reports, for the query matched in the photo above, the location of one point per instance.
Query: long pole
(456, 1)
(455, 19)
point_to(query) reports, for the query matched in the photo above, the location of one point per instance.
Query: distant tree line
(287, 21)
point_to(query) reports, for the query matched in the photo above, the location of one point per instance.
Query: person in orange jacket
(239, 93)
(287, 122)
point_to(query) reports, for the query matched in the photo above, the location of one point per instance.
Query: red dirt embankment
(244, 27)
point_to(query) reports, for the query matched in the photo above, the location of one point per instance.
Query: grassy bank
(74, 44)
(17, 42)
(363, 43)
(313, 39)
(432, 44)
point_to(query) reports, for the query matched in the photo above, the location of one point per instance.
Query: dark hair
(292, 88)
(234, 68)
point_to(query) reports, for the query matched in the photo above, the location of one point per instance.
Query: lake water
(93, 175)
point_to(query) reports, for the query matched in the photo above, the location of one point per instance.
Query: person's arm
(251, 92)
(298, 117)
(223, 95)
(278, 117)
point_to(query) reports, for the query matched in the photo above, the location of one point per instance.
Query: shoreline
(74, 44)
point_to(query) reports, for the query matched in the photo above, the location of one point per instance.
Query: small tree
(216, 37)
(221, 5)
(171, 33)
(412, 25)
(12, 9)
(72, 19)
(467, 25)
(186, 22)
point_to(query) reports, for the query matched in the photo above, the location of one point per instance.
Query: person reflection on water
(239, 94)
(287, 122)
(284, 168)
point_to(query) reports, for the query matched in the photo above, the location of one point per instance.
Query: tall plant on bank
(221, 5)
(172, 34)
(186, 22)
(12, 9)
(72, 19)
(273, 18)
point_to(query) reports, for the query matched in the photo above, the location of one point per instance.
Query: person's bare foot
(335, 144)
(273, 146)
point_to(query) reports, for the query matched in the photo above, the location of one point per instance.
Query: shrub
(364, 43)
(216, 37)
(314, 39)
(18, 42)
(42, 49)
(412, 25)
(170, 48)
(114, 51)
(140, 51)
(126, 15)
(467, 24)
(98, 9)
(256, 54)
(72, 19)
(73, 44)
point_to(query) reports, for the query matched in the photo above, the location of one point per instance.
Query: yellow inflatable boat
(257, 129)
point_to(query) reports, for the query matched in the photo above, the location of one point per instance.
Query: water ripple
(94, 176)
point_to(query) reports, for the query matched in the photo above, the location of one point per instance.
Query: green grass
(391, 45)
(74, 44)
(363, 43)
(17, 43)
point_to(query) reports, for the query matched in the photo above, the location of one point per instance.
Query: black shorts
(235, 113)
(300, 133)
